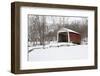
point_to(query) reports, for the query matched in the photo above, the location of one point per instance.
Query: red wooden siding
(75, 38)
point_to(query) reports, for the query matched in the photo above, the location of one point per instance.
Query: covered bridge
(68, 35)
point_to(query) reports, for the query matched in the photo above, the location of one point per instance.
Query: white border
(24, 11)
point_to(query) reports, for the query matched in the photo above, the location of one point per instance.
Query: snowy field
(59, 53)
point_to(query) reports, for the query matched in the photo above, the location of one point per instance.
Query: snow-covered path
(59, 53)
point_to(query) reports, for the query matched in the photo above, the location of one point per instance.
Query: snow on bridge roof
(67, 30)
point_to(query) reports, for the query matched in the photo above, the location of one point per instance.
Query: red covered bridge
(67, 35)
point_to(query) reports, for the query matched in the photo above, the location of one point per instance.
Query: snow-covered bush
(84, 41)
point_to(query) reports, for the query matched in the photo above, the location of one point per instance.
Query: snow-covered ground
(59, 53)
(52, 44)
